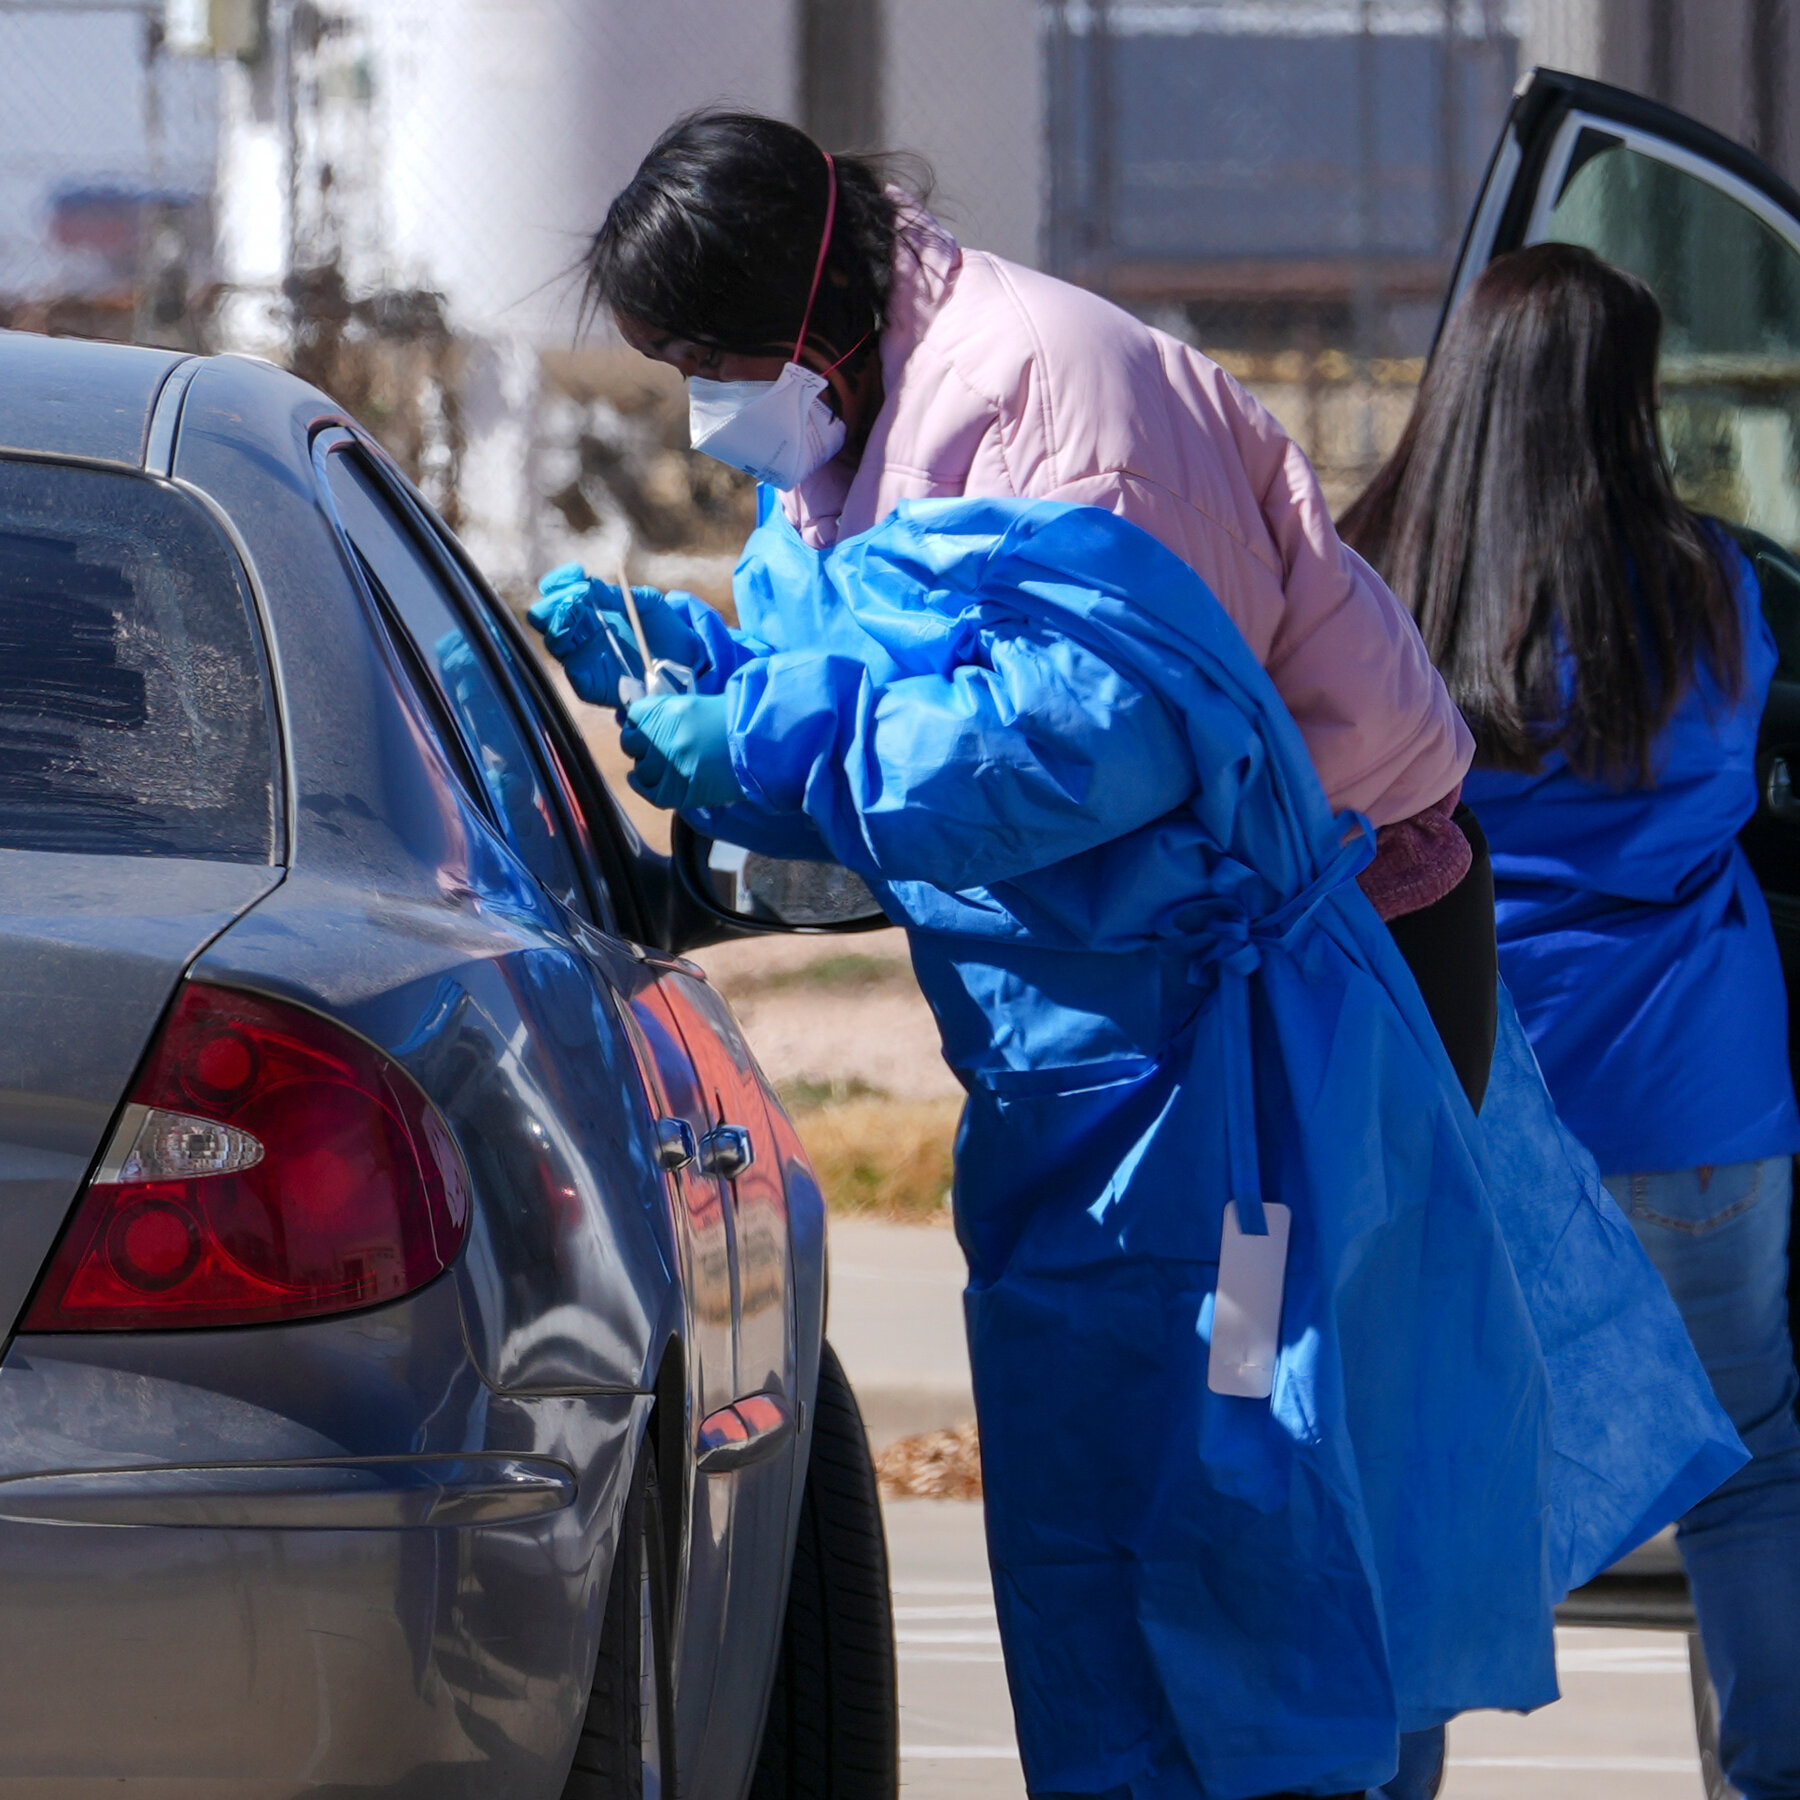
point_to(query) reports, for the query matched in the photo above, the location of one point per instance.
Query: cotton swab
(637, 624)
(660, 675)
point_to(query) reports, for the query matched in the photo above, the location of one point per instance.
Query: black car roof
(71, 397)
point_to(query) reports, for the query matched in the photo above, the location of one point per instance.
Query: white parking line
(944, 1612)
(1572, 1765)
(1654, 1660)
(1586, 1765)
(959, 1753)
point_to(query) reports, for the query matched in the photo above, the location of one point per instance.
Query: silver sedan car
(413, 1294)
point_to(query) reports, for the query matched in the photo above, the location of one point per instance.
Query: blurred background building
(389, 195)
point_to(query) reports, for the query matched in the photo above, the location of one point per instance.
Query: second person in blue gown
(1609, 650)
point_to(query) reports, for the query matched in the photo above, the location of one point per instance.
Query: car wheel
(627, 1742)
(833, 1730)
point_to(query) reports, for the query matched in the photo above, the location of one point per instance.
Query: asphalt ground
(1622, 1731)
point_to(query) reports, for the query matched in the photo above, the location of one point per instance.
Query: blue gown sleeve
(726, 650)
(1029, 755)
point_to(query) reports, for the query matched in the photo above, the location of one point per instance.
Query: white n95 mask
(780, 431)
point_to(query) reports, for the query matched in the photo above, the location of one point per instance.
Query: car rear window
(135, 716)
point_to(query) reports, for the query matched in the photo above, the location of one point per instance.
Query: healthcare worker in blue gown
(1609, 649)
(1300, 1385)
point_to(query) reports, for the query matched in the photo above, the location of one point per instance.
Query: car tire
(626, 1749)
(833, 1727)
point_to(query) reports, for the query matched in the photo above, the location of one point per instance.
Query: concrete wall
(964, 88)
(513, 122)
(1563, 34)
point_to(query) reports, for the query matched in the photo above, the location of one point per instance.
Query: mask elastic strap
(812, 293)
(829, 367)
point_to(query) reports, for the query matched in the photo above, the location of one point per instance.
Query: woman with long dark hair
(1045, 632)
(1608, 650)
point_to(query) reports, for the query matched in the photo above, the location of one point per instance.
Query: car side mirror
(771, 893)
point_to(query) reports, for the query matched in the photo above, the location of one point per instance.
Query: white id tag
(1246, 1323)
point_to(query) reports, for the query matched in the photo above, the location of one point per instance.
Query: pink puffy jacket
(1003, 381)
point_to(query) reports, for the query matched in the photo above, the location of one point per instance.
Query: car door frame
(536, 710)
(1513, 189)
(652, 903)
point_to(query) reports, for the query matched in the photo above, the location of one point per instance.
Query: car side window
(578, 809)
(547, 726)
(456, 662)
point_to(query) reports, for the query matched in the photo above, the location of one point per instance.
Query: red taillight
(270, 1166)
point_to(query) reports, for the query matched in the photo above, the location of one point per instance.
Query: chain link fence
(1281, 182)
(389, 196)
(107, 157)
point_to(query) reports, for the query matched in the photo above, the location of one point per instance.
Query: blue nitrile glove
(682, 750)
(575, 616)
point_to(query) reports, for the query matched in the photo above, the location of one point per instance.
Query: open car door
(1716, 235)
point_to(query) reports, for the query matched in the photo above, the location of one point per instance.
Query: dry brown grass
(849, 973)
(877, 1155)
(936, 1465)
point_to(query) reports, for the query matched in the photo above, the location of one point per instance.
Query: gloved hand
(574, 616)
(681, 747)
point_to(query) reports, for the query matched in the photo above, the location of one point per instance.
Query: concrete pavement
(896, 1323)
(1623, 1731)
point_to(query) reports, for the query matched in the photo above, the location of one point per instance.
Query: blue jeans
(1719, 1236)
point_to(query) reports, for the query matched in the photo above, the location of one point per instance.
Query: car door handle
(675, 1147)
(726, 1151)
(744, 1432)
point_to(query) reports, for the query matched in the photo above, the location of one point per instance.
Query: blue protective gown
(1637, 942)
(1043, 743)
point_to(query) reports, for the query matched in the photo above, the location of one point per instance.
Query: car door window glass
(1729, 285)
(456, 664)
(547, 730)
(543, 723)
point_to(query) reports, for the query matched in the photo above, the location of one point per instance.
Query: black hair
(716, 236)
(1529, 519)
